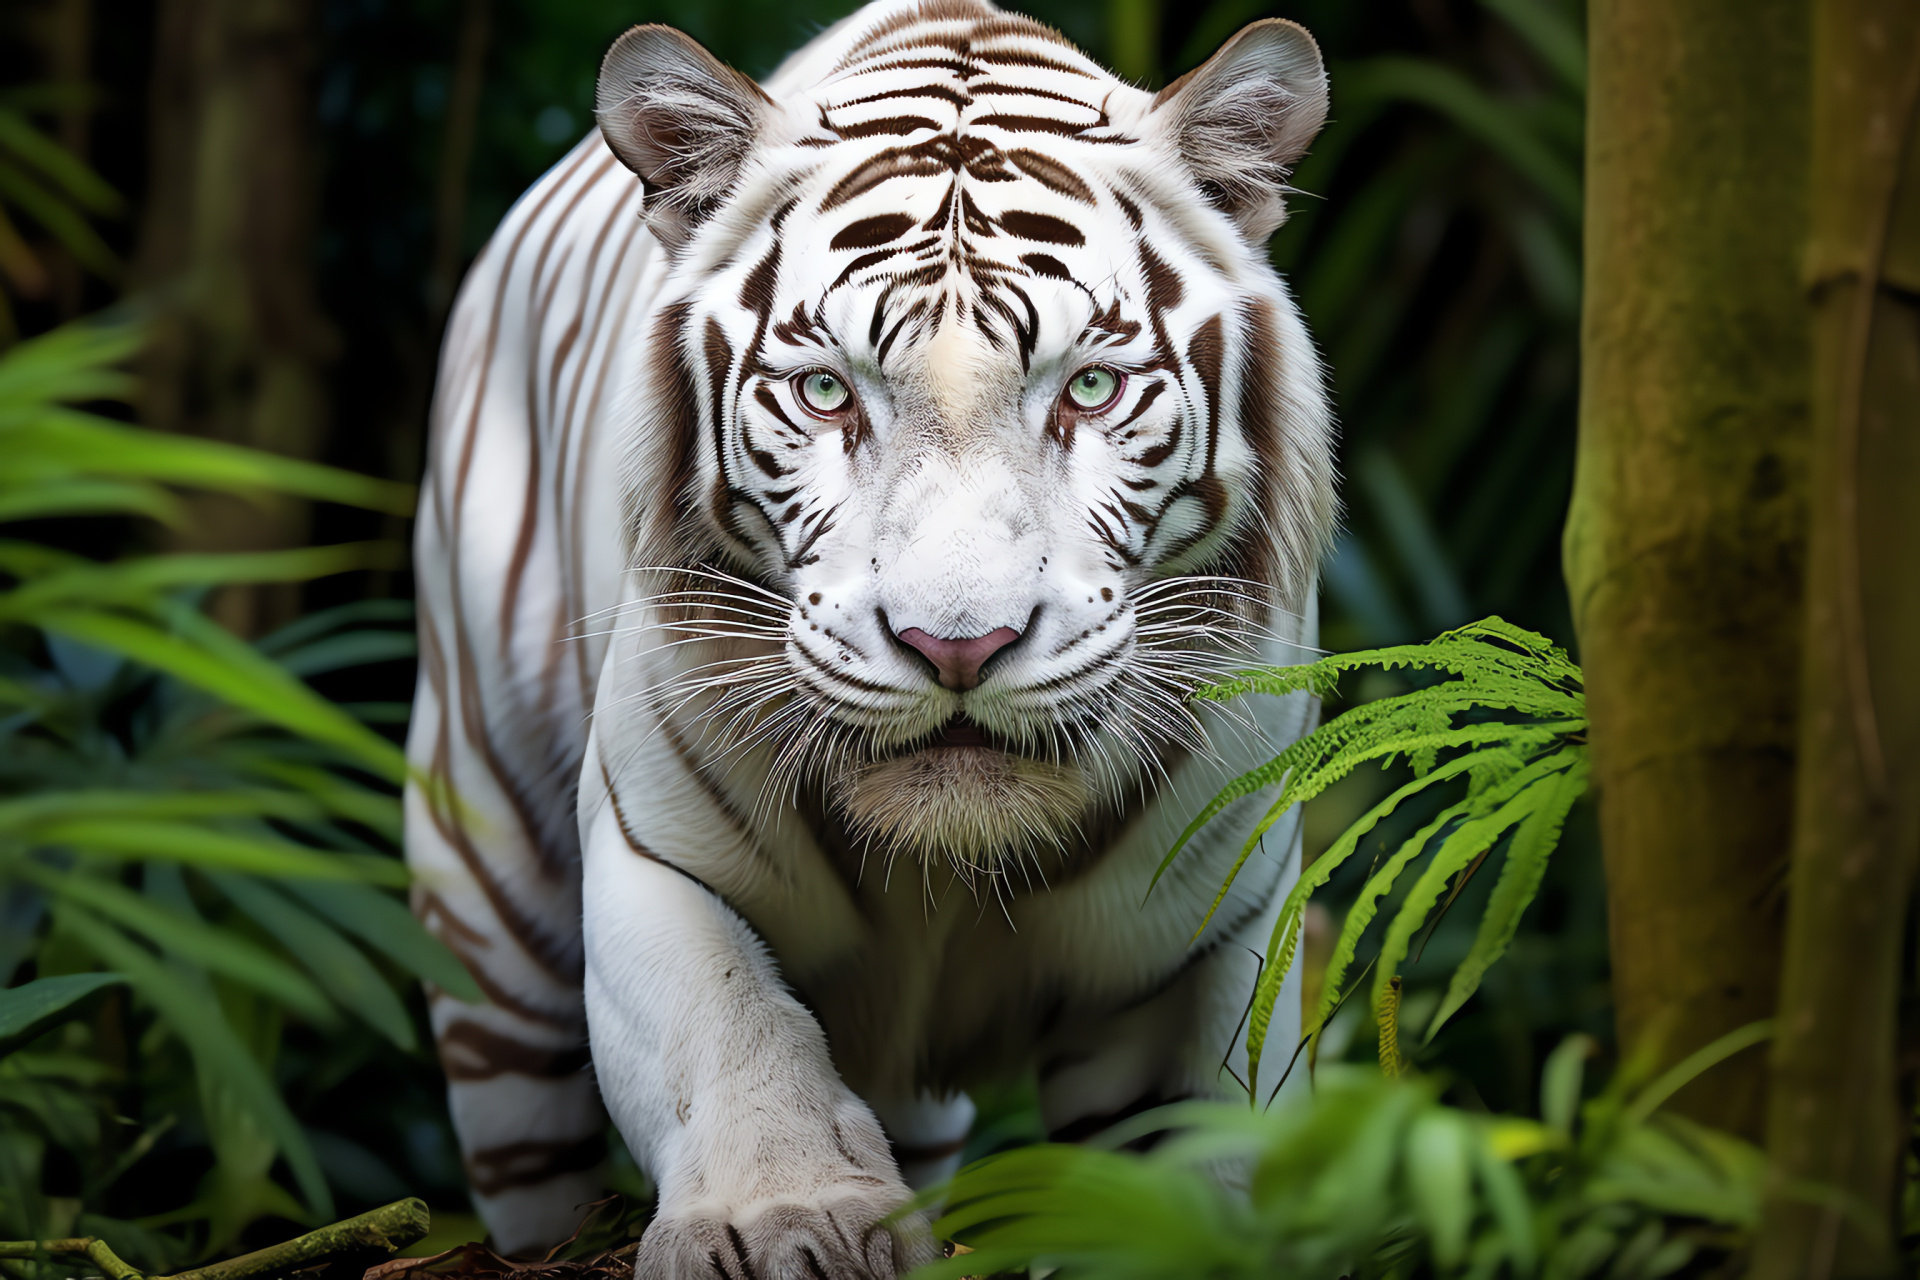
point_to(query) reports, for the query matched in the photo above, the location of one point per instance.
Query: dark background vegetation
(1434, 246)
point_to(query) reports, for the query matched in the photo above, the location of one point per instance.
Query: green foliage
(28, 1011)
(55, 190)
(180, 807)
(1439, 268)
(1373, 1177)
(1506, 722)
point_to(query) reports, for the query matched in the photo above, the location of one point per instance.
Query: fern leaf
(1367, 905)
(1520, 877)
(1392, 1065)
(1266, 993)
(1467, 842)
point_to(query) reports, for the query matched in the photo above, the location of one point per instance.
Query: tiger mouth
(963, 733)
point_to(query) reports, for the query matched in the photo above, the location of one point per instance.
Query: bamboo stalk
(389, 1229)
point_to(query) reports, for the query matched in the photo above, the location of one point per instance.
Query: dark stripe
(1091, 1125)
(868, 232)
(940, 91)
(492, 1170)
(1051, 173)
(462, 939)
(1031, 124)
(470, 1051)
(1042, 264)
(1042, 227)
(1021, 58)
(1206, 353)
(888, 126)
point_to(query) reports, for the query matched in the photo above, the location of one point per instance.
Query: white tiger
(821, 538)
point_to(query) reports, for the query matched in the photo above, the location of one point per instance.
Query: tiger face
(977, 425)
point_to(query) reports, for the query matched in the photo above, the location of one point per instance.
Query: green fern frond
(1506, 720)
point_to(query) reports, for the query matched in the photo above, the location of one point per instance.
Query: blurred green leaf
(388, 926)
(216, 661)
(81, 184)
(1556, 39)
(210, 947)
(1502, 126)
(347, 975)
(217, 1051)
(33, 1008)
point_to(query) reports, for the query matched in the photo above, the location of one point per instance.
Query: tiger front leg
(767, 1165)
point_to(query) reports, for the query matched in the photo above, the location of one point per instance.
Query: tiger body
(715, 768)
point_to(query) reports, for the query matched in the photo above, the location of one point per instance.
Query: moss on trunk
(1684, 544)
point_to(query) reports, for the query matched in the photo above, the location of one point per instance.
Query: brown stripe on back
(1024, 58)
(906, 19)
(580, 452)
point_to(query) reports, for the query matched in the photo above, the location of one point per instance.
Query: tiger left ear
(681, 119)
(1243, 117)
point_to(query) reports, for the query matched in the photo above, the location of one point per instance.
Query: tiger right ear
(681, 119)
(1243, 117)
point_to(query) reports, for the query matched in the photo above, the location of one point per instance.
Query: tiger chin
(861, 468)
(966, 803)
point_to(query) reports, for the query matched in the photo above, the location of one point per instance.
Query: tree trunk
(226, 249)
(1837, 1121)
(1684, 546)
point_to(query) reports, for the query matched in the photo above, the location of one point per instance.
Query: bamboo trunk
(1684, 544)
(226, 249)
(1837, 1123)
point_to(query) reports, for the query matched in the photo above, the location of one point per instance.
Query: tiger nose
(958, 661)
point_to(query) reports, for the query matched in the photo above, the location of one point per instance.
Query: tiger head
(975, 421)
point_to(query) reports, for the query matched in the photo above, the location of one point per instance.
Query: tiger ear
(681, 119)
(1243, 117)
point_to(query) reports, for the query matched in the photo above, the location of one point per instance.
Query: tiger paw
(850, 1234)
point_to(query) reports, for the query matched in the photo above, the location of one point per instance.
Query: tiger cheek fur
(934, 430)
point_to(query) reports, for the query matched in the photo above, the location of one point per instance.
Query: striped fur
(687, 779)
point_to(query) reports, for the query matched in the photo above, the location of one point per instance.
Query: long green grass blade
(73, 363)
(389, 927)
(375, 810)
(41, 501)
(60, 218)
(93, 446)
(221, 664)
(215, 949)
(141, 577)
(85, 187)
(33, 1008)
(349, 977)
(196, 844)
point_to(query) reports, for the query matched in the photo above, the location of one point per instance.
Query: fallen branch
(387, 1229)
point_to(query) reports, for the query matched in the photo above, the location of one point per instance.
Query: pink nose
(959, 661)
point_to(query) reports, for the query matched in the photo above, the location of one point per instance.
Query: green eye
(822, 393)
(1094, 388)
